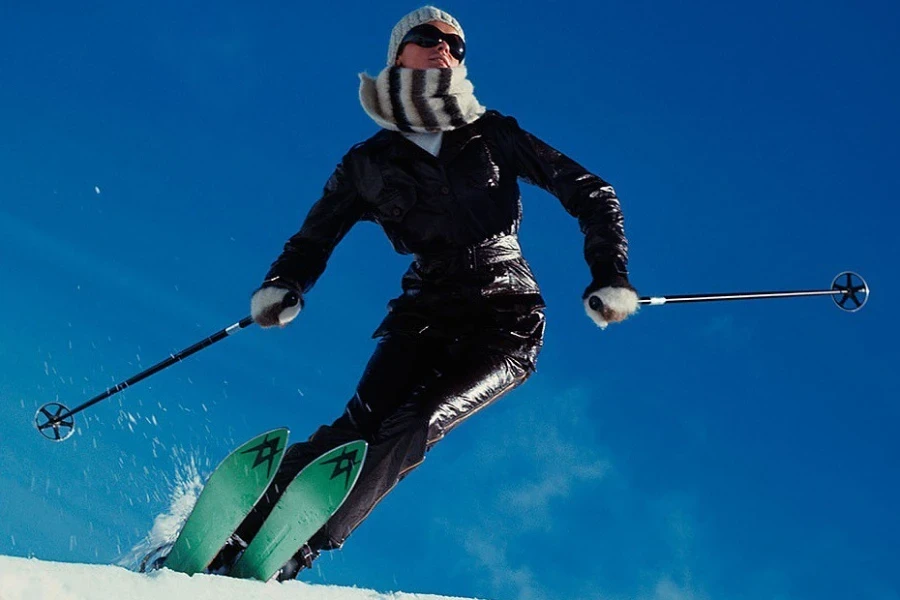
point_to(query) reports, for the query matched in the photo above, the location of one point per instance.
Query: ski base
(315, 494)
(229, 495)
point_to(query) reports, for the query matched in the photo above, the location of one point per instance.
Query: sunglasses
(429, 36)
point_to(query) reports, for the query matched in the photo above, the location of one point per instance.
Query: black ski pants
(414, 390)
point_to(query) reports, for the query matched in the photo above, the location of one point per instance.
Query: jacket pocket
(394, 206)
(395, 200)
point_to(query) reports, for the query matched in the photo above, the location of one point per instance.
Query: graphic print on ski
(306, 505)
(229, 495)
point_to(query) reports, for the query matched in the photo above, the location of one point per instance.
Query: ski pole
(56, 423)
(848, 288)
(59, 423)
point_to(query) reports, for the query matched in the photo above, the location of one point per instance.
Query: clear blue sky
(154, 157)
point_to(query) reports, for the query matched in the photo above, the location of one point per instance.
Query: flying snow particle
(97, 189)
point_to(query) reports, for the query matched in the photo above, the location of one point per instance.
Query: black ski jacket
(458, 214)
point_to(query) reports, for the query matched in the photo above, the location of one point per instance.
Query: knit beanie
(414, 19)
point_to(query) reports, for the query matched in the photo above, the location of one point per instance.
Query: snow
(32, 579)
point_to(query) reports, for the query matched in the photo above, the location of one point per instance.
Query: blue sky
(154, 158)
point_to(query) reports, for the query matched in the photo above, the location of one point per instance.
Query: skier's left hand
(613, 304)
(273, 305)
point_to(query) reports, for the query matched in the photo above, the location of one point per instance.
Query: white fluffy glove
(610, 305)
(273, 305)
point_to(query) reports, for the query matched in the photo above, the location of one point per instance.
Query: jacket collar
(453, 142)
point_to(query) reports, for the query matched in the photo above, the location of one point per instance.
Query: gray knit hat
(414, 19)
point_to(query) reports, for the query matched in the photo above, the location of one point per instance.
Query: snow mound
(32, 579)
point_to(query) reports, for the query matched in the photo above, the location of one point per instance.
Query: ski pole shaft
(54, 420)
(660, 300)
(174, 358)
(848, 290)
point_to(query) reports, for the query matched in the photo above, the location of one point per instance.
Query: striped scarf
(420, 100)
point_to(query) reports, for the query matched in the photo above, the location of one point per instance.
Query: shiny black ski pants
(414, 390)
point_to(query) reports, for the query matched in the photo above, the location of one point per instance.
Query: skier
(440, 178)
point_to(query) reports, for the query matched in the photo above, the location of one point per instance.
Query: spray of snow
(184, 490)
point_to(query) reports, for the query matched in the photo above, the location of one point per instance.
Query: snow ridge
(32, 579)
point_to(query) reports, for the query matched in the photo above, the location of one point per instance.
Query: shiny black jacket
(457, 213)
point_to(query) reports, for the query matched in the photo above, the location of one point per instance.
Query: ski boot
(155, 559)
(302, 560)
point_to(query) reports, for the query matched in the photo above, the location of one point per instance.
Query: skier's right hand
(273, 305)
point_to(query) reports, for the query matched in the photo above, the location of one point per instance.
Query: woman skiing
(440, 178)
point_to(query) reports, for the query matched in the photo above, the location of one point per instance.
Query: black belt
(488, 252)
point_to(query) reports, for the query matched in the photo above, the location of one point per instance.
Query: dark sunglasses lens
(457, 47)
(429, 36)
(426, 41)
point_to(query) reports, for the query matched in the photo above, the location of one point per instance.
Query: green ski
(230, 493)
(306, 505)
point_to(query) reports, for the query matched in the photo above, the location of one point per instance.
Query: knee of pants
(406, 421)
(508, 372)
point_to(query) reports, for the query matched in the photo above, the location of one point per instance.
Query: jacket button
(396, 211)
(445, 190)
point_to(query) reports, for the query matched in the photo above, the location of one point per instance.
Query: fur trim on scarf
(420, 100)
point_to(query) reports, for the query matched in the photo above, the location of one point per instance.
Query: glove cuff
(619, 280)
(607, 273)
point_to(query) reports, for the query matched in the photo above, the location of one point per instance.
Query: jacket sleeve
(330, 218)
(584, 195)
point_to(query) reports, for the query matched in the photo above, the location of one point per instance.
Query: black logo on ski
(343, 465)
(265, 452)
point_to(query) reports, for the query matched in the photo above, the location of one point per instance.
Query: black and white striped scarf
(420, 100)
